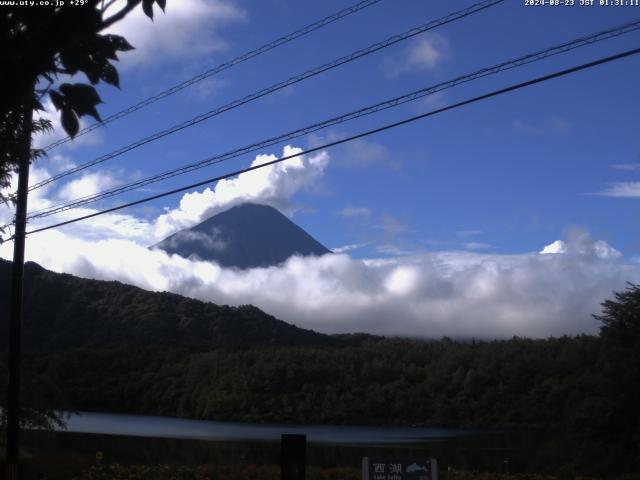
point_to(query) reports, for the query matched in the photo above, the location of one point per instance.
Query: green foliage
(620, 366)
(620, 318)
(38, 45)
(171, 472)
(269, 472)
(464, 475)
(112, 347)
(38, 393)
(211, 472)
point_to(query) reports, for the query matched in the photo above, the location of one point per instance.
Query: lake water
(168, 427)
(140, 439)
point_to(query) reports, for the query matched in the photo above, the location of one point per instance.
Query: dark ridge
(62, 311)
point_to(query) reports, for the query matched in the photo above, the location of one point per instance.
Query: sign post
(294, 457)
(385, 469)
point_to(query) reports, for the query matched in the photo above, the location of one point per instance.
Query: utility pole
(15, 306)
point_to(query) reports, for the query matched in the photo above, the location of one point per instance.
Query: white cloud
(212, 240)
(622, 190)
(351, 212)
(425, 53)
(348, 248)
(579, 242)
(113, 225)
(360, 153)
(549, 126)
(558, 246)
(392, 250)
(87, 184)
(468, 233)
(391, 225)
(476, 245)
(626, 166)
(430, 102)
(59, 162)
(426, 295)
(272, 185)
(209, 87)
(188, 28)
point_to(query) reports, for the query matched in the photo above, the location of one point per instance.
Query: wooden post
(294, 457)
(15, 306)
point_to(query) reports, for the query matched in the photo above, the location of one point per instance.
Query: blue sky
(500, 179)
(518, 168)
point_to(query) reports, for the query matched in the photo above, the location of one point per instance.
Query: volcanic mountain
(245, 236)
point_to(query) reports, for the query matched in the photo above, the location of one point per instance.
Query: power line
(220, 68)
(367, 133)
(477, 7)
(523, 60)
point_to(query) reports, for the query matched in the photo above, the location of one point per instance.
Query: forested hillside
(106, 346)
(62, 311)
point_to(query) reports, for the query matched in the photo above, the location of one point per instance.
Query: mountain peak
(245, 236)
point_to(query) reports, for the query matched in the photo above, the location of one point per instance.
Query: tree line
(106, 346)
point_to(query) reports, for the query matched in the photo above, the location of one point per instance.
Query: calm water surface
(150, 440)
(168, 427)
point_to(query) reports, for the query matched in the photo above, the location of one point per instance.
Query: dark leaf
(37, 153)
(69, 122)
(92, 71)
(162, 4)
(147, 6)
(84, 57)
(57, 99)
(79, 92)
(103, 47)
(42, 125)
(71, 59)
(86, 109)
(82, 99)
(110, 75)
(109, 52)
(94, 113)
(120, 43)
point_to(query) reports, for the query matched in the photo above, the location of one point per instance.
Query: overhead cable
(367, 133)
(400, 100)
(219, 68)
(475, 8)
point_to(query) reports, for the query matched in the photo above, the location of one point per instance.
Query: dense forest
(105, 346)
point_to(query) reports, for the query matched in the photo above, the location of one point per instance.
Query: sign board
(385, 469)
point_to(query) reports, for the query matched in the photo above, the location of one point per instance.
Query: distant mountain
(63, 311)
(245, 236)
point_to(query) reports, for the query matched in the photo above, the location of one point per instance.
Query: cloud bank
(456, 293)
(188, 29)
(428, 295)
(272, 185)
